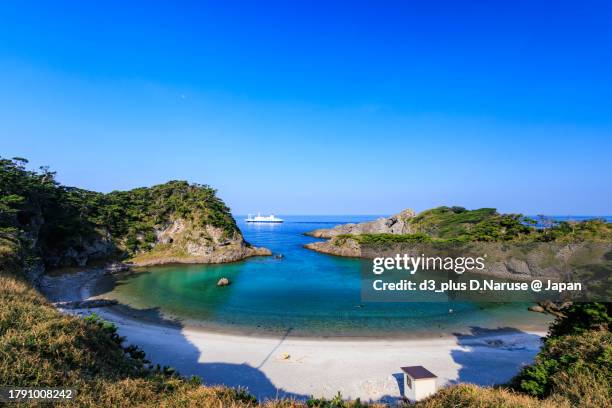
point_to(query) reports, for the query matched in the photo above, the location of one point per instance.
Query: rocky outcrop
(518, 261)
(178, 241)
(46, 224)
(396, 224)
(549, 307)
(349, 248)
(182, 241)
(81, 251)
(216, 255)
(556, 261)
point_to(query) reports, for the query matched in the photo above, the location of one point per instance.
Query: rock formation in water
(396, 224)
(514, 247)
(185, 241)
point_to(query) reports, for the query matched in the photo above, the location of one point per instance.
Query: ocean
(305, 293)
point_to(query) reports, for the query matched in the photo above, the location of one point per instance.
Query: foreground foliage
(470, 396)
(576, 359)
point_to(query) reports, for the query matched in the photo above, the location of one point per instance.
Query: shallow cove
(305, 293)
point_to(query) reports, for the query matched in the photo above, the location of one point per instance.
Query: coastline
(327, 248)
(224, 257)
(94, 284)
(363, 368)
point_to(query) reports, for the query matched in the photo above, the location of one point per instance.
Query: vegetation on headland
(134, 214)
(459, 225)
(56, 223)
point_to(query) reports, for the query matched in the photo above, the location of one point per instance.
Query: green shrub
(335, 402)
(578, 350)
(582, 317)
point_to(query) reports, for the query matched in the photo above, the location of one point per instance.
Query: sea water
(303, 293)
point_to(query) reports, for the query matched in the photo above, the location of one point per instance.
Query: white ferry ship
(261, 218)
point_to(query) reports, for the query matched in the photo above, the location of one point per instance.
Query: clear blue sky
(318, 107)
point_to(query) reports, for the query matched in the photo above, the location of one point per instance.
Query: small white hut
(419, 383)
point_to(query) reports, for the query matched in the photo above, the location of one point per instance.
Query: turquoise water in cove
(305, 292)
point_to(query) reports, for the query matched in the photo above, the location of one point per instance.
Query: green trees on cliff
(33, 203)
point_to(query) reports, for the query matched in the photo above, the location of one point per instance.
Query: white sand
(366, 369)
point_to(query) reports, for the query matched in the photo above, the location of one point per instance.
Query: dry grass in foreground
(473, 396)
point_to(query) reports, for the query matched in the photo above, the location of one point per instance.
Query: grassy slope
(472, 396)
(41, 347)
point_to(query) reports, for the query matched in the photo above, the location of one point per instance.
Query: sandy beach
(366, 369)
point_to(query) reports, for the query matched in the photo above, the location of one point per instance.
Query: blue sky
(318, 107)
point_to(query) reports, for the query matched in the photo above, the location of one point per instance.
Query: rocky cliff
(183, 241)
(44, 224)
(514, 247)
(396, 224)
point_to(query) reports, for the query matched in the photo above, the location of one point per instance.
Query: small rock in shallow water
(115, 267)
(223, 282)
(536, 308)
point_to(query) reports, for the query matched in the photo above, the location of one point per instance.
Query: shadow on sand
(485, 356)
(166, 336)
(493, 356)
(162, 339)
(189, 361)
